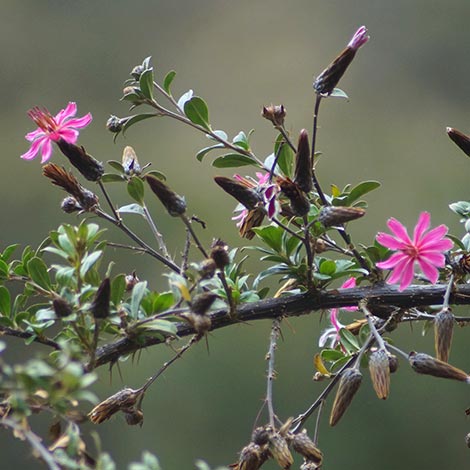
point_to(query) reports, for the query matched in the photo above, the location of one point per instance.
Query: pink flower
(359, 39)
(426, 249)
(53, 128)
(332, 333)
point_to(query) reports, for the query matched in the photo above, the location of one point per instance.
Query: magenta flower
(426, 249)
(359, 39)
(52, 129)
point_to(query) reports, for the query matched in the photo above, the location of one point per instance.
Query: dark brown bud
(88, 166)
(379, 368)
(114, 124)
(202, 302)
(250, 458)
(131, 281)
(123, 400)
(299, 203)
(61, 308)
(464, 263)
(460, 139)
(393, 363)
(254, 219)
(443, 331)
(207, 268)
(174, 204)
(70, 205)
(303, 165)
(425, 364)
(60, 177)
(220, 254)
(261, 435)
(275, 114)
(130, 163)
(303, 445)
(337, 215)
(100, 306)
(134, 417)
(348, 386)
(249, 197)
(280, 450)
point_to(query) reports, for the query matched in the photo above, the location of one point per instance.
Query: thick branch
(379, 295)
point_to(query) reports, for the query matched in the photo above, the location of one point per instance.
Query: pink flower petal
(434, 257)
(435, 236)
(429, 270)
(80, 122)
(46, 150)
(399, 230)
(424, 221)
(34, 135)
(398, 270)
(33, 150)
(407, 275)
(69, 135)
(390, 242)
(393, 261)
(66, 113)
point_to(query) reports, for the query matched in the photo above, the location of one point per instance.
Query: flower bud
(88, 166)
(70, 205)
(280, 450)
(379, 368)
(393, 363)
(100, 306)
(299, 203)
(303, 165)
(137, 71)
(123, 400)
(337, 215)
(443, 331)
(174, 204)
(253, 219)
(202, 302)
(130, 163)
(115, 124)
(261, 435)
(206, 268)
(303, 445)
(61, 308)
(134, 417)
(425, 364)
(250, 457)
(348, 386)
(131, 281)
(249, 197)
(460, 139)
(275, 114)
(219, 254)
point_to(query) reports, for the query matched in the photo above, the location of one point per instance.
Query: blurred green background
(405, 86)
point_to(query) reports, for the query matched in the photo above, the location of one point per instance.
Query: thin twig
(271, 374)
(193, 234)
(6, 330)
(158, 236)
(108, 200)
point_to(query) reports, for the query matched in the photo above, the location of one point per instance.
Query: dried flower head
(460, 139)
(348, 386)
(303, 445)
(202, 303)
(303, 165)
(134, 417)
(250, 457)
(100, 306)
(379, 368)
(425, 364)
(123, 400)
(219, 253)
(61, 308)
(174, 204)
(274, 113)
(245, 195)
(337, 215)
(299, 203)
(279, 449)
(443, 331)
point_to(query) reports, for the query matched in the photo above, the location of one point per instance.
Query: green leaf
(203, 152)
(89, 261)
(327, 267)
(331, 355)
(163, 302)
(241, 140)
(146, 83)
(338, 93)
(219, 133)
(157, 174)
(161, 326)
(3, 269)
(197, 112)
(348, 341)
(232, 160)
(8, 251)
(359, 190)
(167, 81)
(137, 118)
(271, 235)
(184, 98)
(138, 293)
(461, 208)
(5, 301)
(135, 188)
(37, 270)
(132, 209)
(116, 165)
(112, 178)
(118, 287)
(285, 160)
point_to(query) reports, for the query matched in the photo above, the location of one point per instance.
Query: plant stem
(316, 110)
(271, 375)
(193, 234)
(158, 236)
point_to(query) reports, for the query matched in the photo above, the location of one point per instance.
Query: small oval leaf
(135, 188)
(37, 270)
(197, 112)
(233, 160)
(167, 81)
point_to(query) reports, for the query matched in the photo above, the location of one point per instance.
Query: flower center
(412, 251)
(44, 120)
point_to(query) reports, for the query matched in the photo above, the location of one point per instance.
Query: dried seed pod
(201, 303)
(443, 331)
(308, 465)
(70, 205)
(245, 195)
(303, 165)
(460, 139)
(219, 253)
(131, 281)
(250, 457)
(174, 203)
(253, 219)
(275, 114)
(379, 368)
(206, 268)
(425, 364)
(123, 400)
(279, 449)
(299, 203)
(134, 417)
(348, 386)
(100, 306)
(337, 215)
(61, 308)
(392, 363)
(464, 263)
(261, 435)
(303, 445)
(88, 166)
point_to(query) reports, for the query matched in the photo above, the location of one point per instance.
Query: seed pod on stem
(348, 386)
(379, 368)
(219, 254)
(280, 450)
(337, 215)
(299, 203)
(460, 139)
(249, 197)
(174, 204)
(303, 167)
(303, 445)
(425, 364)
(250, 457)
(443, 331)
(100, 306)
(275, 114)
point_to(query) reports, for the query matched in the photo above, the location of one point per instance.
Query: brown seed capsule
(337, 215)
(61, 308)
(275, 114)
(219, 254)
(261, 435)
(253, 219)
(202, 302)
(303, 445)
(250, 457)
(123, 400)
(201, 323)
(348, 386)
(443, 331)
(88, 166)
(308, 465)
(464, 263)
(299, 203)
(379, 368)
(207, 268)
(460, 139)
(134, 417)
(425, 364)
(249, 197)
(393, 363)
(70, 205)
(100, 306)
(174, 204)
(303, 165)
(280, 451)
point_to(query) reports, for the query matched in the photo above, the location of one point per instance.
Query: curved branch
(379, 295)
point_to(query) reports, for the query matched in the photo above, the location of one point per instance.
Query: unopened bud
(70, 205)
(114, 124)
(202, 302)
(207, 268)
(460, 139)
(337, 215)
(393, 363)
(100, 306)
(254, 219)
(123, 400)
(130, 163)
(131, 281)
(88, 166)
(61, 308)
(299, 203)
(250, 457)
(443, 331)
(425, 364)
(134, 95)
(137, 71)
(174, 204)
(134, 417)
(261, 435)
(303, 165)
(348, 386)
(280, 450)
(379, 368)
(303, 445)
(249, 197)
(275, 114)
(220, 254)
